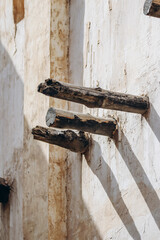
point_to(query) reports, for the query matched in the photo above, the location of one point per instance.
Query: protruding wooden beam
(66, 139)
(152, 8)
(95, 97)
(4, 190)
(83, 122)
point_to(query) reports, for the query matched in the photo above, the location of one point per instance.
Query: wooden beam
(66, 139)
(95, 97)
(83, 122)
(152, 8)
(4, 190)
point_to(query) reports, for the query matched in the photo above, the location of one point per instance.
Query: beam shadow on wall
(80, 224)
(108, 180)
(147, 190)
(153, 120)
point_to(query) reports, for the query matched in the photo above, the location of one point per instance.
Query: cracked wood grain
(95, 97)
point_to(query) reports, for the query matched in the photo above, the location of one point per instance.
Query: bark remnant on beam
(95, 97)
(83, 122)
(4, 190)
(66, 139)
(152, 8)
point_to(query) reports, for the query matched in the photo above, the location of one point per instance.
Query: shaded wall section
(11, 120)
(24, 56)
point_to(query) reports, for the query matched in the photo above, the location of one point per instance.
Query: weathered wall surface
(113, 191)
(59, 43)
(119, 180)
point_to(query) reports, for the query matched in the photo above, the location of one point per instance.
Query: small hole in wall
(18, 10)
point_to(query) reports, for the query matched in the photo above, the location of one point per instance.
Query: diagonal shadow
(152, 117)
(87, 229)
(108, 181)
(147, 190)
(80, 224)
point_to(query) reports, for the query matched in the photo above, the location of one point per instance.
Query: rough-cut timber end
(51, 116)
(95, 97)
(152, 8)
(45, 87)
(4, 191)
(66, 139)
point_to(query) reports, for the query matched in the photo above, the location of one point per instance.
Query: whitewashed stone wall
(113, 191)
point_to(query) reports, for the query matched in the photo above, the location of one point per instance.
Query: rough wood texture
(152, 8)
(94, 97)
(66, 139)
(84, 122)
(4, 191)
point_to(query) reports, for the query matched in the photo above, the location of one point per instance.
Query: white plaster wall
(11, 119)
(36, 154)
(112, 192)
(119, 179)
